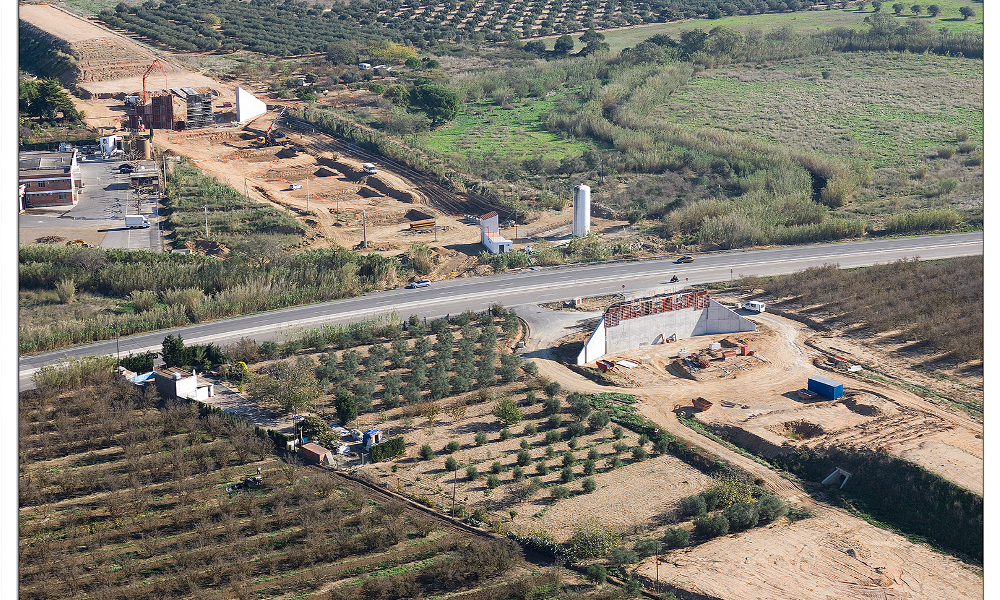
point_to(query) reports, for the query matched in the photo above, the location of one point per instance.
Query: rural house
(172, 382)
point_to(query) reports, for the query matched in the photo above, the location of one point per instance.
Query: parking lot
(99, 216)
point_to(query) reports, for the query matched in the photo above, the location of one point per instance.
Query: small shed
(316, 453)
(172, 382)
(827, 388)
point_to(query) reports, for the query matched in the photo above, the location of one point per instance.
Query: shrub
(531, 369)
(945, 152)
(741, 515)
(550, 406)
(639, 453)
(550, 451)
(589, 466)
(542, 468)
(471, 473)
(452, 446)
(518, 473)
(504, 434)
(525, 444)
(492, 481)
(559, 492)
(566, 475)
(388, 449)
(597, 573)
(552, 388)
(451, 464)
(496, 468)
(575, 429)
(619, 447)
(693, 506)
(618, 432)
(573, 443)
(648, 547)
(590, 539)
(614, 462)
(711, 527)
(676, 537)
(568, 460)
(529, 398)
(552, 436)
(554, 421)
(620, 556)
(524, 458)
(480, 438)
(598, 420)
(797, 514)
(530, 429)
(589, 485)
(593, 454)
(711, 498)
(507, 411)
(426, 452)
(771, 507)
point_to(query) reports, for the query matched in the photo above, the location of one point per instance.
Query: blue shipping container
(826, 387)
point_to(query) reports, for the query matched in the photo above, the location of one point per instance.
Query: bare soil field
(766, 415)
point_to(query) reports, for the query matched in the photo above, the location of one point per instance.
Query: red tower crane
(156, 63)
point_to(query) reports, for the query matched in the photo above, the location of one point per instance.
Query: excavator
(276, 138)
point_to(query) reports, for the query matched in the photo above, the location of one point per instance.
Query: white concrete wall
(594, 347)
(686, 322)
(248, 106)
(719, 319)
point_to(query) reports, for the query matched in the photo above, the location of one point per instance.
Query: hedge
(388, 449)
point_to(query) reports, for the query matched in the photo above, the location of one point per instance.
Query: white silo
(581, 210)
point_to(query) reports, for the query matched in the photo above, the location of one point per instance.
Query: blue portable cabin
(827, 388)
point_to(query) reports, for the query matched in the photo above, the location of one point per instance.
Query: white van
(369, 168)
(754, 306)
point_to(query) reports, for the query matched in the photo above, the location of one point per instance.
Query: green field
(484, 129)
(892, 110)
(802, 22)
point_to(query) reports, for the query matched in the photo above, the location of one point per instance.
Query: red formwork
(643, 307)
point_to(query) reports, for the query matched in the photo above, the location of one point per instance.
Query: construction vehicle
(275, 138)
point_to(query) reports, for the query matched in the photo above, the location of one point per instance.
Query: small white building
(489, 228)
(172, 382)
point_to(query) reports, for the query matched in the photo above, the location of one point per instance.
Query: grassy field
(515, 131)
(891, 110)
(802, 22)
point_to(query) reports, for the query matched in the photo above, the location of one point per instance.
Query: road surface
(535, 285)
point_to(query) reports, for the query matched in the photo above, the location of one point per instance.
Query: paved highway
(537, 285)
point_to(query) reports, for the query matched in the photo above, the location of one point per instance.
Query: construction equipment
(155, 63)
(701, 404)
(273, 139)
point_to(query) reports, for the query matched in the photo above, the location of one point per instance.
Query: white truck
(369, 168)
(133, 221)
(754, 306)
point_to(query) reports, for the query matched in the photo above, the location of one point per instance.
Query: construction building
(145, 175)
(489, 229)
(49, 178)
(653, 320)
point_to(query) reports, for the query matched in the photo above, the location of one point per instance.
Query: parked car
(369, 168)
(684, 259)
(419, 283)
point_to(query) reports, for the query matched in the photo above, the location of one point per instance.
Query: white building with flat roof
(489, 228)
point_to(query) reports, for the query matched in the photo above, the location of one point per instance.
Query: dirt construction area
(834, 555)
(332, 196)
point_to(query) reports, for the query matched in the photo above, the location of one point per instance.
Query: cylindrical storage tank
(581, 211)
(682, 354)
(146, 149)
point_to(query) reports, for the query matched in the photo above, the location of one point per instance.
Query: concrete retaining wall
(594, 347)
(649, 330)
